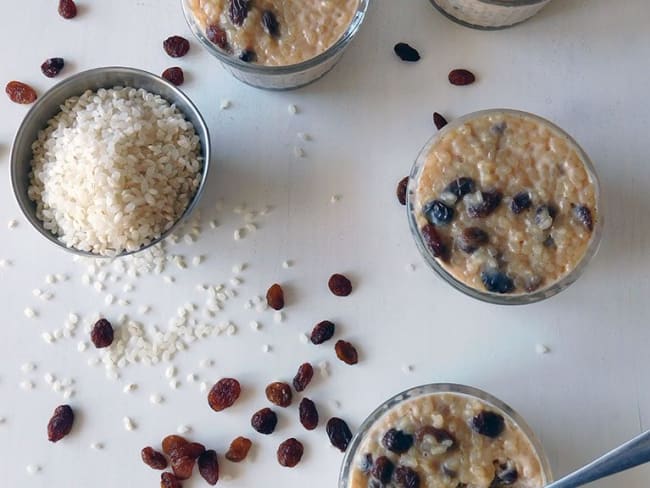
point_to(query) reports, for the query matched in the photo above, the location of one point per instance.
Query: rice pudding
(274, 32)
(488, 14)
(505, 202)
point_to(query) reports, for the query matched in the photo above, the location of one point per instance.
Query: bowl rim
(52, 93)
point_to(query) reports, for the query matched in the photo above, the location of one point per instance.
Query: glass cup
(489, 14)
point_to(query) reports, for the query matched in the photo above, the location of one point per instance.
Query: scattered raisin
(248, 56)
(323, 331)
(102, 334)
(168, 480)
(290, 453)
(346, 352)
(20, 92)
(397, 441)
(173, 442)
(191, 449)
(275, 297)
(182, 466)
(67, 9)
(239, 11)
(308, 414)
(338, 433)
(438, 213)
(223, 394)
(264, 421)
(405, 477)
(176, 46)
(490, 200)
(489, 424)
(406, 52)
(461, 186)
(471, 239)
(279, 394)
(238, 450)
(270, 23)
(303, 377)
(439, 120)
(461, 77)
(401, 190)
(497, 281)
(217, 35)
(339, 285)
(433, 242)
(520, 202)
(209, 467)
(60, 424)
(504, 474)
(382, 469)
(174, 75)
(52, 67)
(583, 215)
(153, 458)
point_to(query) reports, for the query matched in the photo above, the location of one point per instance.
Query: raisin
(346, 352)
(406, 477)
(489, 201)
(238, 450)
(323, 331)
(52, 67)
(401, 190)
(248, 56)
(264, 421)
(153, 458)
(497, 281)
(504, 474)
(439, 120)
(20, 92)
(176, 46)
(275, 297)
(461, 77)
(308, 414)
(382, 469)
(520, 202)
(191, 449)
(406, 52)
(290, 453)
(239, 11)
(583, 215)
(168, 480)
(397, 441)
(489, 424)
(549, 242)
(438, 213)
(434, 441)
(471, 239)
(339, 285)
(173, 442)
(461, 186)
(102, 334)
(182, 467)
(60, 424)
(67, 9)
(217, 35)
(433, 242)
(174, 75)
(209, 467)
(544, 216)
(279, 394)
(338, 433)
(270, 23)
(223, 394)
(303, 377)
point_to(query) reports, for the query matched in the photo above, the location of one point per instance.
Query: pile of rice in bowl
(114, 170)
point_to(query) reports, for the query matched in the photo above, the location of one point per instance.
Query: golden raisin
(223, 394)
(238, 449)
(275, 297)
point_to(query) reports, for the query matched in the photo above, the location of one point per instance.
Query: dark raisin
(439, 120)
(217, 35)
(461, 77)
(583, 215)
(397, 441)
(434, 243)
(248, 56)
(270, 23)
(174, 75)
(275, 297)
(520, 202)
(489, 424)
(209, 467)
(168, 480)
(173, 442)
(433, 440)
(346, 352)
(20, 92)
(153, 458)
(338, 433)
(382, 469)
(339, 285)
(438, 213)
(461, 186)
(52, 67)
(67, 9)
(60, 424)
(497, 281)
(303, 377)
(406, 52)
(223, 394)
(102, 334)
(490, 200)
(499, 128)
(176, 46)
(308, 414)
(471, 239)
(323, 331)
(401, 190)
(182, 466)
(238, 450)
(406, 477)
(544, 216)
(239, 11)
(549, 242)
(191, 449)
(264, 421)
(290, 453)
(504, 474)
(279, 394)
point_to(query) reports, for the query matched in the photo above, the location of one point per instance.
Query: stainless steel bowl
(49, 105)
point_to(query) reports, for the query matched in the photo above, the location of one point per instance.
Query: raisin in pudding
(445, 436)
(504, 204)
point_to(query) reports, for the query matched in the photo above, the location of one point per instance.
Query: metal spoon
(625, 456)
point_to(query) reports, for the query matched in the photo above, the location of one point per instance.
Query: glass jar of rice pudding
(505, 206)
(489, 14)
(275, 44)
(445, 436)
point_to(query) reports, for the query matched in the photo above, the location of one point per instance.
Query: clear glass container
(280, 77)
(352, 453)
(489, 14)
(481, 294)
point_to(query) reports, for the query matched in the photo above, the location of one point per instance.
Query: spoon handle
(625, 456)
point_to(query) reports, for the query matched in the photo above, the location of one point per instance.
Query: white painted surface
(583, 64)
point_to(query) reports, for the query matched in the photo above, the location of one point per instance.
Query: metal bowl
(49, 105)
